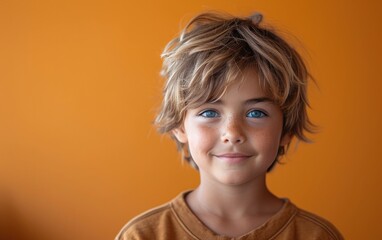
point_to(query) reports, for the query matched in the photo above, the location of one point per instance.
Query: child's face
(234, 140)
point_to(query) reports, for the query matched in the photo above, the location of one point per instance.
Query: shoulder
(146, 223)
(158, 223)
(311, 226)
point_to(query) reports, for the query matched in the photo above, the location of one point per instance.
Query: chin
(235, 180)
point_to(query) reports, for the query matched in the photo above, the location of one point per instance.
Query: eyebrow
(258, 100)
(249, 101)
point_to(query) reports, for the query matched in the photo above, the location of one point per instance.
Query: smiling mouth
(233, 157)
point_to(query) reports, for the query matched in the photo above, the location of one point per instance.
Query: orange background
(79, 87)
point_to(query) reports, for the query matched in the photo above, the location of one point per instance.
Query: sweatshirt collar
(197, 229)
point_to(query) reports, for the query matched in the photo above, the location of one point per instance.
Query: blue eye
(209, 114)
(256, 114)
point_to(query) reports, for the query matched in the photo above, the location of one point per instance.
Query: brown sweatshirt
(175, 220)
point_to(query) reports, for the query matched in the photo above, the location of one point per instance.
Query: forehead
(245, 83)
(245, 88)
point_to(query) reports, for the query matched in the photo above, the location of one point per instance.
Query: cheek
(268, 142)
(201, 138)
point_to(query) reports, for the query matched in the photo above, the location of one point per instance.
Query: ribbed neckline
(270, 229)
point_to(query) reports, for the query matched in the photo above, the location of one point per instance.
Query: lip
(233, 157)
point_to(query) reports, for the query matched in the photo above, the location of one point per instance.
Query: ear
(285, 139)
(180, 134)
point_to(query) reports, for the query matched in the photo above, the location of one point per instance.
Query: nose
(233, 131)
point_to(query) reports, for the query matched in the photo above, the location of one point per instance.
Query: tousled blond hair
(212, 52)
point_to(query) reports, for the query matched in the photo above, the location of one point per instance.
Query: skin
(234, 141)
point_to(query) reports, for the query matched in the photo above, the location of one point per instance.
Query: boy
(235, 95)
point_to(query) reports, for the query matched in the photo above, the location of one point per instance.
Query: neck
(233, 201)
